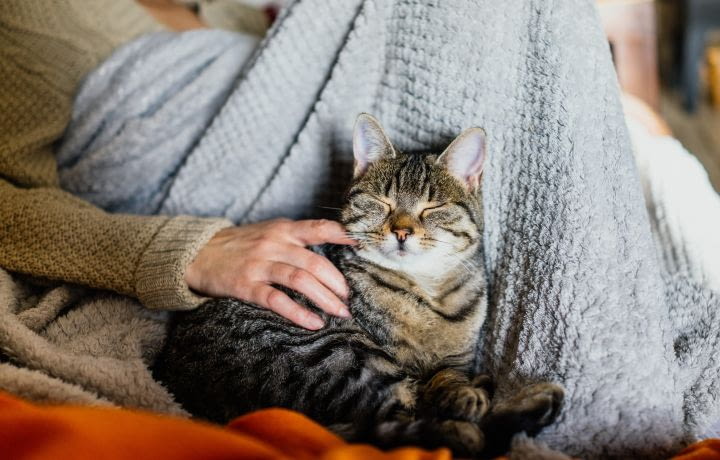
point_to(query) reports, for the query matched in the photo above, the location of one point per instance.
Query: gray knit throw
(187, 123)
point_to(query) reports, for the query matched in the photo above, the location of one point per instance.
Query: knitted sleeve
(45, 49)
(47, 232)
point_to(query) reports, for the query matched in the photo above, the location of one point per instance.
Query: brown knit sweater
(46, 47)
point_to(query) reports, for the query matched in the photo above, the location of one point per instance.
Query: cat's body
(397, 371)
(258, 359)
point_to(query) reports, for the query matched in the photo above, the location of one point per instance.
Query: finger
(317, 265)
(320, 231)
(302, 281)
(277, 301)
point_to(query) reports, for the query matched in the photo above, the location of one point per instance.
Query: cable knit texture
(578, 293)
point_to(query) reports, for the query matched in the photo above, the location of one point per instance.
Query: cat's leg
(485, 382)
(464, 439)
(450, 394)
(402, 425)
(529, 410)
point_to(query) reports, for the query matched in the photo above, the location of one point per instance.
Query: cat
(397, 372)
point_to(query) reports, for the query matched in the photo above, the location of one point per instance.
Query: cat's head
(413, 211)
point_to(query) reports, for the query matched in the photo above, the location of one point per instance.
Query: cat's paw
(530, 409)
(463, 403)
(484, 382)
(465, 439)
(451, 395)
(548, 400)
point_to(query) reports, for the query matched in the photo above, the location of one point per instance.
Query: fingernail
(343, 312)
(315, 323)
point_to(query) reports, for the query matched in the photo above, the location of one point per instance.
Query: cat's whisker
(467, 269)
(435, 239)
(330, 207)
(471, 263)
(466, 264)
(439, 241)
(363, 236)
(363, 239)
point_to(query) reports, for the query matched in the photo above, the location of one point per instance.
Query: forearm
(46, 232)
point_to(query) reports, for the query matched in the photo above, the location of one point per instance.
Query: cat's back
(226, 329)
(229, 357)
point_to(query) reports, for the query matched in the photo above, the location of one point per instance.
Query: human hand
(243, 262)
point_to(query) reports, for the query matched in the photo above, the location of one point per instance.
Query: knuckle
(280, 225)
(240, 289)
(236, 281)
(320, 224)
(257, 294)
(264, 244)
(298, 277)
(275, 272)
(315, 265)
(274, 297)
(275, 234)
(302, 314)
(246, 272)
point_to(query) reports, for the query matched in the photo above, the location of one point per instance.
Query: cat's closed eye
(428, 208)
(373, 203)
(388, 203)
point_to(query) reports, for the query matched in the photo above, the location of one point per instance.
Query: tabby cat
(396, 372)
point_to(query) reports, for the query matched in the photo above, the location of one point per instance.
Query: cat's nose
(402, 233)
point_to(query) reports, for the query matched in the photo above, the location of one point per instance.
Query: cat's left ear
(465, 157)
(370, 143)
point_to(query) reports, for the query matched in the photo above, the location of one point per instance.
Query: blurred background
(667, 53)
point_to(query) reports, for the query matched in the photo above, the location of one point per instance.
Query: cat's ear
(370, 143)
(465, 157)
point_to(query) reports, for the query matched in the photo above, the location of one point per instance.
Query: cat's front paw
(463, 403)
(465, 439)
(451, 395)
(531, 409)
(484, 382)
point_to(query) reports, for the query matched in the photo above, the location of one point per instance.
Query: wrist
(160, 277)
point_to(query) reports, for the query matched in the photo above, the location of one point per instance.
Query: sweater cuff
(159, 278)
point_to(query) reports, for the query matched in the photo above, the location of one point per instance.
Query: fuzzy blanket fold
(65, 344)
(578, 292)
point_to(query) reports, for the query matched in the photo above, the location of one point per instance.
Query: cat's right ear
(370, 143)
(465, 156)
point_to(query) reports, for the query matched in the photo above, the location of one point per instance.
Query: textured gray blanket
(186, 124)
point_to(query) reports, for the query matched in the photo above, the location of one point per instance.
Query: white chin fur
(416, 262)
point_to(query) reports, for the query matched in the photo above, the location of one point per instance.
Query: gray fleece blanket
(193, 123)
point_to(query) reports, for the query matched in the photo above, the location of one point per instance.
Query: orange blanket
(703, 450)
(67, 432)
